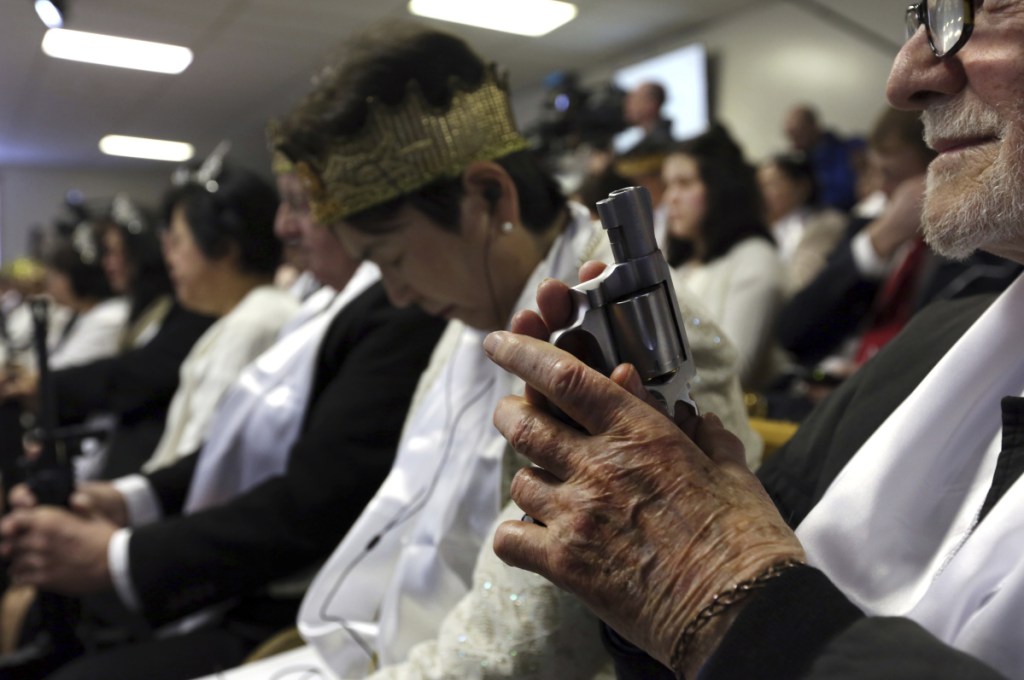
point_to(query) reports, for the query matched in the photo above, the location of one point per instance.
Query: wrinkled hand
(643, 523)
(55, 549)
(901, 219)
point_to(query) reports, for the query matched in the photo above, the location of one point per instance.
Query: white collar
(895, 530)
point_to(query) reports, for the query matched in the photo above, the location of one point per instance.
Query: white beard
(965, 212)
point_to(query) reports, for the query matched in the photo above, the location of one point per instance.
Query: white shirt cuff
(140, 500)
(120, 573)
(869, 264)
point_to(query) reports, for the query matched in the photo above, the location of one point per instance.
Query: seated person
(835, 160)
(299, 444)
(722, 248)
(405, 593)
(95, 317)
(75, 280)
(135, 268)
(877, 277)
(134, 387)
(908, 555)
(222, 254)
(86, 321)
(804, 232)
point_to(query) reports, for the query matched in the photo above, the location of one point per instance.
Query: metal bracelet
(723, 601)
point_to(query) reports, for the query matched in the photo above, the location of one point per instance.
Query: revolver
(629, 314)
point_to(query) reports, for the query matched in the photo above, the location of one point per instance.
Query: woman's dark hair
(147, 271)
(732, 197)
(381, 65)
(78, 256)
(240, 211)
(798, 169)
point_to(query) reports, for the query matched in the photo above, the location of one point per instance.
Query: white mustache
(960, 118)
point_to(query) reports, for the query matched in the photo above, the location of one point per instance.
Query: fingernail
(492, 341)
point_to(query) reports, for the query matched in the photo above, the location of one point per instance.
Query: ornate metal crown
(404, 147)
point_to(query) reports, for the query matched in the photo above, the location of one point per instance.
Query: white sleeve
(140, 499)
(120, 572)
(868, 263)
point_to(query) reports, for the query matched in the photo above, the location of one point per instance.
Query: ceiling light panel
(109, 50)
(532, 18)
(150, 149)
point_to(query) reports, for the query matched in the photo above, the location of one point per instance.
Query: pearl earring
(507, 227)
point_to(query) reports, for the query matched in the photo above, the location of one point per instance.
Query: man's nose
(918, 77)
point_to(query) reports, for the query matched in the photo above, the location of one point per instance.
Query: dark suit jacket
(834, 306)
(136, 386)
(801, 626)
(368, 365)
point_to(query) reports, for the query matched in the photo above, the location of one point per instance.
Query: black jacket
(135, 386)
(367, 368)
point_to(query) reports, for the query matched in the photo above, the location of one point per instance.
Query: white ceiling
(253, 60)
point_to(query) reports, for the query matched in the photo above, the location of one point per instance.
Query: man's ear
(490, 185)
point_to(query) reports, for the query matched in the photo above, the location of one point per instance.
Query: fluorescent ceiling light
(141, 147)
(524, 17)
(110, 50)
(50, 13)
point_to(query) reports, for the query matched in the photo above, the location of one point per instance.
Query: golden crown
(280, 163)
(640, 165)
(407, 146)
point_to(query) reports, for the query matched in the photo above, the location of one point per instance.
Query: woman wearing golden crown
(409, 151)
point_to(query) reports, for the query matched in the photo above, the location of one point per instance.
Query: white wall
(30, 196)
(774, 57)
(767, 59)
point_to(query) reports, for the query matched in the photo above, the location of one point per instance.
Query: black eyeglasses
(947, 22)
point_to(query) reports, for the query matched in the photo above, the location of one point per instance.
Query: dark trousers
(219, 646)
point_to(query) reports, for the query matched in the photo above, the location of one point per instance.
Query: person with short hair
(834, 159)
(642, 109)
(221, 253)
